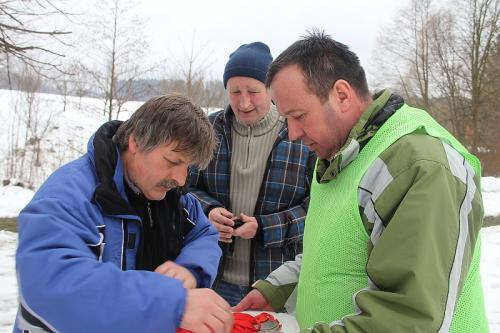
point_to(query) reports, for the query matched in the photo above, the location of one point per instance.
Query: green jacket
(404, 231)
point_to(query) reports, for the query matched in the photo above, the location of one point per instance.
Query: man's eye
(171, 163)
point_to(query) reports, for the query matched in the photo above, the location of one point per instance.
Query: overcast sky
(220, 26)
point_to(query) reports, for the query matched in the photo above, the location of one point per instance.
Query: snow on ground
(491, 195)
(13, 199)
(490, 273)
(8, 286)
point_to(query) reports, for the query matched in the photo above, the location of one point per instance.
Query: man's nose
(244, 102)
(295, 132)
(179, 174)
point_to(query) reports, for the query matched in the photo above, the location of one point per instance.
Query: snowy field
(62, 125)
(12, 199)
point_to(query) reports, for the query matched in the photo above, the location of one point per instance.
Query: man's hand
(249, 228)
(222, 219)
(254, 300)
(206, 312)
(173, 270)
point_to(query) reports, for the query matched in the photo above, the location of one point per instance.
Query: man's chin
(156, 195)
(322, 154)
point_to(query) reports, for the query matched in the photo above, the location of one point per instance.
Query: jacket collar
(109, 193)
(226, 117)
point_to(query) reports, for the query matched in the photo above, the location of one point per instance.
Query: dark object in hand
(237, 223)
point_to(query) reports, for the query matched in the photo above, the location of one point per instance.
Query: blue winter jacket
(70, 280)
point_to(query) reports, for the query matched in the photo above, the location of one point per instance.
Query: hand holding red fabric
(245, 323)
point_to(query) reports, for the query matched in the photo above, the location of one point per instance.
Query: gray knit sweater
(251, 148)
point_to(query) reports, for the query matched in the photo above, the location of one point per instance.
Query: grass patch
(490, 221)
(8, 223)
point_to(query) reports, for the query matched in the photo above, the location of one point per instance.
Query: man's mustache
(168, 183)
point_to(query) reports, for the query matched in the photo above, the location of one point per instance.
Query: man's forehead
(180, 154)
(284, 100)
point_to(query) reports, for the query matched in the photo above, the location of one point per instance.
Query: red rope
(243, 323)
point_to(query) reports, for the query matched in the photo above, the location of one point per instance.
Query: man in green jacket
(391, 242)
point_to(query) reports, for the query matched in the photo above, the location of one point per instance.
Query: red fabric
(243, 322)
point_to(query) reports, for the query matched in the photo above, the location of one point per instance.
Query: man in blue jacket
(110, 243)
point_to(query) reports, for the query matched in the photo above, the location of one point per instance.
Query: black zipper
(124, 246)
(148, 206)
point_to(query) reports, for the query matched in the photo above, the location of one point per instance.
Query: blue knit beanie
(250, 60)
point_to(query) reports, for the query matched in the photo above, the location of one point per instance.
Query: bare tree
(29, 129)
(194, 71)
(404, 47)
(193, 79)
(30, 84)
(117, 54)
(80, 83)
(214, 94)
(443, 53)
(490, 122)
(420, 63)
(23, 37)
(14, 152)
(447, 76)
(62, 84)
(478, 29)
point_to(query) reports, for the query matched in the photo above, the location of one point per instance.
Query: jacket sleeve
(414, 274)
(200, 252)
(198, 189)
(280, 287)
(287, 226)
(64, 288)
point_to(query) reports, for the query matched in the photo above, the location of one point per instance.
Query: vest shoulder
(412, 148)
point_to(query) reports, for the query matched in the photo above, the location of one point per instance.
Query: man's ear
(341, 95)
(132, 144)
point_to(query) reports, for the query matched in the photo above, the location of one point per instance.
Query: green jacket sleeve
(279, 286)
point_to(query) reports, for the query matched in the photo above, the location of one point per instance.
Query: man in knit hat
(256, 189)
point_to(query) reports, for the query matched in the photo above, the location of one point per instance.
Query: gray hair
(170, 119)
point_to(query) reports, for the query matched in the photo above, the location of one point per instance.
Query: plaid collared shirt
(283, 196)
